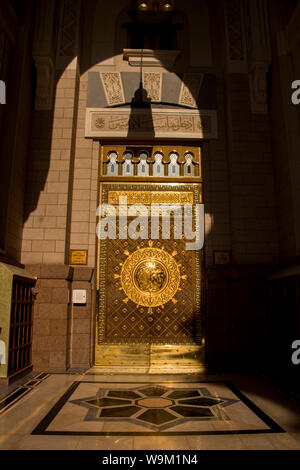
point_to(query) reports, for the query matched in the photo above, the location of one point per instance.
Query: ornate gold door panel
(148, 290)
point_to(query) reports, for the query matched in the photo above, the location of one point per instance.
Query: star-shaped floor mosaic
(156, 407)
(99, 408)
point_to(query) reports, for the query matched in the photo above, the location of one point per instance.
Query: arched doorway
(148, 309)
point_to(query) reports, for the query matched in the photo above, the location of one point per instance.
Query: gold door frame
(145, 354)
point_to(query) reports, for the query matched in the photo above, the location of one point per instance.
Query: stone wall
(62, 331)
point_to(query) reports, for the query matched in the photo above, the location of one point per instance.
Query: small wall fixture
(143, 6)
(156, 5)
(222, 258)
(79, 296)
(167, 7)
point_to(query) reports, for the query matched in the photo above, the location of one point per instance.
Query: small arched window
(173, 167)
(189, 169)
(112, 166)
(158, 167)
(143, 166)
(127, 169)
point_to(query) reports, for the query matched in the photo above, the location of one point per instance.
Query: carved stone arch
(174, 165)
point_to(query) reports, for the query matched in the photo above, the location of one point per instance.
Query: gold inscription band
(151, 197)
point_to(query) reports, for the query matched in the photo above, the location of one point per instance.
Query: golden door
(149, 290)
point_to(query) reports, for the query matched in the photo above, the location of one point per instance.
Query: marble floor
(101, 409)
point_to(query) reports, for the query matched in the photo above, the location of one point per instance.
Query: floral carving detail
(190, 89)
(100, 123)
(113, 87)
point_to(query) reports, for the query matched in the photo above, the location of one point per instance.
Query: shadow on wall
(101, 46)
(140, 103)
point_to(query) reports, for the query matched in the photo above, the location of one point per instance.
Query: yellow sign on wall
(78, 257)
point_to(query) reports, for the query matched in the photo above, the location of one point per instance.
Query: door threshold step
(153, 370)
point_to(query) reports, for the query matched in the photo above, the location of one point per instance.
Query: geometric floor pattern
(19, 392)
(96, 408)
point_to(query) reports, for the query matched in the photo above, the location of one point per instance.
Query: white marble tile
(49, 443)
(284, 441)
(258, 442)
(11, 441)
(215, 443)
(160, 443)
(296, 437)
(104, 442)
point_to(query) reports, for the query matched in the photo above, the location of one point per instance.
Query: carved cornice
(150, 57)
